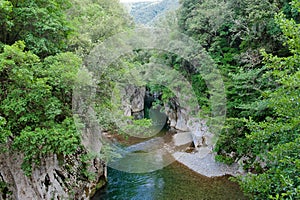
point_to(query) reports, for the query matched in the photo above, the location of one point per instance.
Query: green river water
(174, 182)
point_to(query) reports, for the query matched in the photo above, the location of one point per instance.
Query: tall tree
(35, 102)
(94, 21)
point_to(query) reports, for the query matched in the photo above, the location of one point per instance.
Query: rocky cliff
(135, 99)
(57, 177)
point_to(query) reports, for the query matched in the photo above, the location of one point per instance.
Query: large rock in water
(56, 178)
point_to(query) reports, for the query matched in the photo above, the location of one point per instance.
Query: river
(174, 182)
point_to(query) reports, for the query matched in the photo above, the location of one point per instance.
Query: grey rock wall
(56, 178)
(132, 100)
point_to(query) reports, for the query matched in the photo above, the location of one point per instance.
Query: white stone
(182, 138)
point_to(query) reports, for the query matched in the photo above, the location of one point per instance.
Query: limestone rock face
(172, 115)
(56, 178)
(132, 98)
(202, 137)
(182, 119)
(178, 116)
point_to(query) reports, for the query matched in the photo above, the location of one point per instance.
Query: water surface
(174, 182)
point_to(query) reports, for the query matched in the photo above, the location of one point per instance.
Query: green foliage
(262, 88)
(85, 160)
(166, 93)
(35, 105)
(224, 159)
(48, 86)
(200, 89)
(94, 21)
(202, 19)
(59, 139)
(281, 179)
(233, 139)
(140, 127)
(277, 138)
(41, 24)
(37, 74)
(4, 133)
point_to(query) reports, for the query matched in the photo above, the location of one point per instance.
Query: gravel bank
(206, 165)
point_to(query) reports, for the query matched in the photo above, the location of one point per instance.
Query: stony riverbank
(201, 160)
(207, 165)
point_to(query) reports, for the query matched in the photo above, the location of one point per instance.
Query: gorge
(151, 99)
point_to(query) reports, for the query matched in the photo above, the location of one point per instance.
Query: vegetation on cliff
(42, 45)
(255, 44)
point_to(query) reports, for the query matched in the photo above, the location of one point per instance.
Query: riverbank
(200, 160)
(207, 165)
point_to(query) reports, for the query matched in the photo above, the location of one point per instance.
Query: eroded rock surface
(56, 178)
(178, 116)
(132, 100)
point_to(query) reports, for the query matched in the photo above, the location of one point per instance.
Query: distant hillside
(148, 12)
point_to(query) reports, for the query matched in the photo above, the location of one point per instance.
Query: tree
(276, 140)
(37, 73)
(262, 88)
(41, 24)
(94, 21)
(35, 106)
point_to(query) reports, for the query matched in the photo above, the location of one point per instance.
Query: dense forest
(255, 45)
(42, 46)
